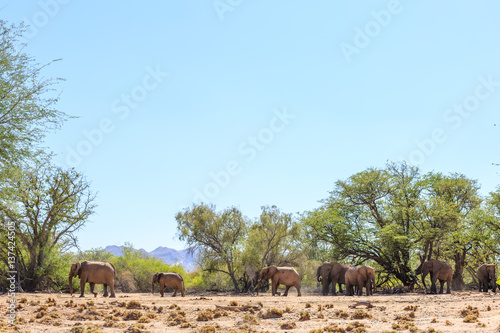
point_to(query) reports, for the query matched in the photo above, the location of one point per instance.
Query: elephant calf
(168, 280)
(280, 275)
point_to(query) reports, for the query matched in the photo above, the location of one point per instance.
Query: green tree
(274, 239)
(453, 200)
(369, 217)
(218, 236)
(48, 206)
(27, 100)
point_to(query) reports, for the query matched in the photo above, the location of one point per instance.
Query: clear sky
(251, 103)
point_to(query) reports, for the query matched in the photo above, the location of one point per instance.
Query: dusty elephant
(93, 272)
(168, 280)
(331, 272)
(363, 276)
(487, 277)
(438, 270)
(287, 276)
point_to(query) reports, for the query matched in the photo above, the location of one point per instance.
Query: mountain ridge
(168, 255)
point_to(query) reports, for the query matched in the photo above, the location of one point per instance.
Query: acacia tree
(218, 236)
(454, 226)
(27, 100)
(47, 205)
(273, 239)
(370, 215)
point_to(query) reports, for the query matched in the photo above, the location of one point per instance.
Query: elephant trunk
(258, 286)
(70, 280)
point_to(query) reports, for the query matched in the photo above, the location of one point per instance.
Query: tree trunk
(458, 280)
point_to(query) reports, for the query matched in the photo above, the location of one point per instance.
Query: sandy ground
(410, 312)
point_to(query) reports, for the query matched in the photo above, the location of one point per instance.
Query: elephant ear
(272, 270)
(76, 269)
(159, 276)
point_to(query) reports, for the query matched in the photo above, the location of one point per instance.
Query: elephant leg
(334, 287)
(105, 290)
(82, 287)
(286, 291)
(175, 292)
(448, 283)
(92, 285)
(367, 287)
(360, 289)
(433, 285)
(324, 287)
(340, 287)
(441, 288)
(297, 286)
(112, 289)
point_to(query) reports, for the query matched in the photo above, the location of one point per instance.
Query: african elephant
(363, 276)
(168, 280)
(439, 271)
(331, 272)
(280, 275)
(93, 272)
(487, 277)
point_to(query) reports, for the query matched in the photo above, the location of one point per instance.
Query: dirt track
(43, 312)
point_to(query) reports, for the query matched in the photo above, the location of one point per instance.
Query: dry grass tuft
(132, 315)
(334, 329)
(273, 313)
(308, 305)
(469, 310)
(361, 314)
(342, 314)
(205, 316)
(133, 305)
(251, 319)
(288, 326)
(233, 303)
(471, 319)
(304, 315)
(87, 328)
(356, 327)
(411, 308)
(207, 329)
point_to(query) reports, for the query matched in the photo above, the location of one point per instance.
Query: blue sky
(252, 103)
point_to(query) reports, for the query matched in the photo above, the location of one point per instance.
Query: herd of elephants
(355, 278)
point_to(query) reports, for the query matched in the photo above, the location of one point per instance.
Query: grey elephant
(334, 273)
(168, 280)
(362, 277)
(287, 276)
(93, 272)
(487, 277)
(438, 270)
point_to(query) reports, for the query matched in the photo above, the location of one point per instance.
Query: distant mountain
(168, 255)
